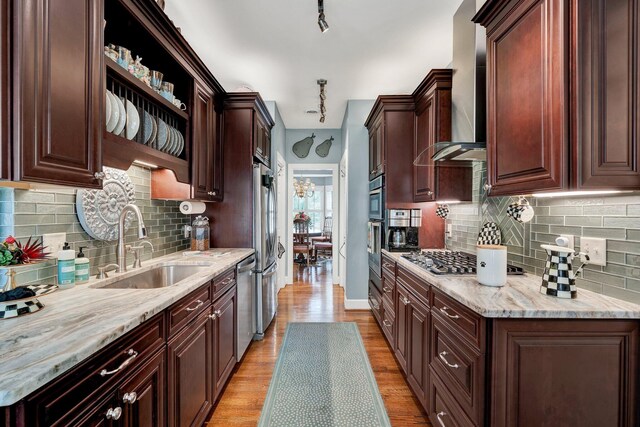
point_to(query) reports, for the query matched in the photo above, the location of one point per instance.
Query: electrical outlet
(571, 241)
(595, 248)
(54, 242)
(449, 230)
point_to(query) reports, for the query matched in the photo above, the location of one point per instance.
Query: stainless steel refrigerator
(264, 234)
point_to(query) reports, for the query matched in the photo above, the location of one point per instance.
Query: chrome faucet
(121, 253)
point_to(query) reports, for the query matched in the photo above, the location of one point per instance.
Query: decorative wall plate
(99, 210)
(302, 147)
(322, 150)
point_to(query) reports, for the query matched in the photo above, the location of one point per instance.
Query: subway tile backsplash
(615, 218)
(37, 212)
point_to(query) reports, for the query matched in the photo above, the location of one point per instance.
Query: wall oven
(376, 199)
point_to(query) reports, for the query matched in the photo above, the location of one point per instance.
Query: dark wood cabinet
(262, 140)
(190, 374)
(606, 122)
(563, 94)
(391, 135)
(5, 91)
(401, 348)
(224, 339)
(576, 372)
(444, 180)
(107, 412)
(142, 397)
(527, 77)
(206, 179)
(418, 333)
(58, 90)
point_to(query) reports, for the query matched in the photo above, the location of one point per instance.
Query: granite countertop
(76, 323)
(521, 298)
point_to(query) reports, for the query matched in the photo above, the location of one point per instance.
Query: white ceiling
(373, 47)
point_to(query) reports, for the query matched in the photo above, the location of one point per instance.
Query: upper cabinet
(562, 114)
(58, 90)
(445, 180)
(606, 123)
(262, 140)
(391, 136)
(5, 91)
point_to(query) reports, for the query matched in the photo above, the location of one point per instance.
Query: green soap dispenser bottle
(82, 266)
(66, 267)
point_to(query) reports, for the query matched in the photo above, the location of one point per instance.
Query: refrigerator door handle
(270, 271)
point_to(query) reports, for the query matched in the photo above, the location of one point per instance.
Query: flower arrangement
(12, 252)
(302, 217)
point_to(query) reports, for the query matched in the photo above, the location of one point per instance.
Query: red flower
(10, 240)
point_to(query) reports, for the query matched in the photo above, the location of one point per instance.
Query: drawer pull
(405, 301)
(387, 265)
(445, 311)
(132, 355)
(130, 398)
(439, 416)
(114, 413)
(225, 282)
(386, 323)
(200, 304)
(442, 357)
(386, 289)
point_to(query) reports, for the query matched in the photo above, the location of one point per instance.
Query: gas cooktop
(450, 262)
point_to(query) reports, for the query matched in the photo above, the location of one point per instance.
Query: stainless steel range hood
(468, 91)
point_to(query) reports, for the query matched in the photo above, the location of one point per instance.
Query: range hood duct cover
(468, 93)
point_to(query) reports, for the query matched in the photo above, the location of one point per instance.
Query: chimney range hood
(468, 93)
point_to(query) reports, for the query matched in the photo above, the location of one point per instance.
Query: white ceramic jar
(492, 265)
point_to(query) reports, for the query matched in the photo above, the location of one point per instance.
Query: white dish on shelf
(122, 119)
(181, 146)
(154, 132)
(115, 112)
(174, 145)
(133, 121)
(169, 147)
(107, 108)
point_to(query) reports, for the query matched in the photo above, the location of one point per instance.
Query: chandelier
(304, 187)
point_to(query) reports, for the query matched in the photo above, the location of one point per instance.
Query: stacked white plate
(120, 119)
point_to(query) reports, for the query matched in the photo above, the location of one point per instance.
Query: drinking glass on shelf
(166, 90)
(124, 57)
(156, 80)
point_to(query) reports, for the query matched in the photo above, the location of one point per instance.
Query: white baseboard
(356, 304)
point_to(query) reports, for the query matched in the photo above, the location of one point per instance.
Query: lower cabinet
(418, 348)
(401, 348)
(142, 397)
(224, 339)
(169, 371)
(190, 373)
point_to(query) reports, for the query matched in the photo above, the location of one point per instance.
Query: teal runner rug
(322, 379)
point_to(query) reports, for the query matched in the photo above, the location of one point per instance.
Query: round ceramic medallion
(99, 210)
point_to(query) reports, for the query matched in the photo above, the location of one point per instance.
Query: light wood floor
(312, 298)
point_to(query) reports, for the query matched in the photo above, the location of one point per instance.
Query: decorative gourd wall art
(322, 150)
(302, 147)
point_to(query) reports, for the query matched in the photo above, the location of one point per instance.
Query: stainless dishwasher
(246, 312)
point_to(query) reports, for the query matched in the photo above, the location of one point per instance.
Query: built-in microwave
(376, 199)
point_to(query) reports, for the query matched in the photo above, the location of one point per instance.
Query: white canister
(492, 265)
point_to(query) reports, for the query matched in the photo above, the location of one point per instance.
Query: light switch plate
(54, 242)
(595, 248)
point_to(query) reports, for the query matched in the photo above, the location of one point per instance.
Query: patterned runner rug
(322, 379)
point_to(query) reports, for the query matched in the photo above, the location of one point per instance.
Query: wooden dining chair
(301, 242)
(327, 229)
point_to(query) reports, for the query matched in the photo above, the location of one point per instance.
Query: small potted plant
(15, 254)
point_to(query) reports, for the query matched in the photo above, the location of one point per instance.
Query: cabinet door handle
(439, 416)
(211, 193)
(405, 301)
(429, 193)
(487, 188)
(99, 175)
(216, 314)
(445, 311)
(386, 289)
(200, 304)
(114, 413)
(130, 398)
(225, 282)
(132, 355)
(386, 323)
(442, 356)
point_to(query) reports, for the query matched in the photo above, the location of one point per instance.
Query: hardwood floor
(312, 298)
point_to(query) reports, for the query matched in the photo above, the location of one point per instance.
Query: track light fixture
(321, 21)
(323, 96)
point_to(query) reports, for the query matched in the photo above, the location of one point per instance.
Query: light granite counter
(76, 323)
(521, 297)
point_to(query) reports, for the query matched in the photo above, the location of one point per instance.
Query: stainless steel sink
(158, 277)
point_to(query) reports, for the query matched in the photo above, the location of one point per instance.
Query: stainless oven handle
(376, 191)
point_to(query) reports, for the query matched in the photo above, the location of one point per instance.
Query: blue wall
(356, 142)
(295, 135)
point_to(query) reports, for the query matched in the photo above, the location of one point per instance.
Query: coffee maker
(403, 229)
